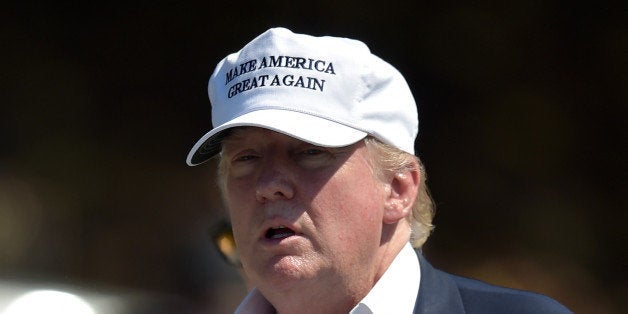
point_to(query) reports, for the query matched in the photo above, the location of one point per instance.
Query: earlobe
(402, 193)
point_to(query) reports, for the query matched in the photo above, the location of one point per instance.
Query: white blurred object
(48, 302)
(30, 297)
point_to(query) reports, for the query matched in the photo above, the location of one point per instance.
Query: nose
(274, 183)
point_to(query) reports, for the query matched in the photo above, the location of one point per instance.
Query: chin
(287, 271)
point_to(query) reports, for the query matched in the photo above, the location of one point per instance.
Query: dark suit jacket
(440, 292)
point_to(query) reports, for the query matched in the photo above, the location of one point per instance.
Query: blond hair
(389, 160)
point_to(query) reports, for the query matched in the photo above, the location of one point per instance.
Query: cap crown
(329, 91)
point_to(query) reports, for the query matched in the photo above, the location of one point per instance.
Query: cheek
(243, 234)
(235, 201)
(236, 195)
(352, 208)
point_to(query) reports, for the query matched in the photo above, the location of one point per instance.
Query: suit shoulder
(481, 297)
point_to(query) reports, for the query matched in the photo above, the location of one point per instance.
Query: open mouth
(280, 232)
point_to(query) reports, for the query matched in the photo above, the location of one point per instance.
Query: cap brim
(305, 127)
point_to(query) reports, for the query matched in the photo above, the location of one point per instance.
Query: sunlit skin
(341, 226)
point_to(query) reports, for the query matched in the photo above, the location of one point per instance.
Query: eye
(313, 151)
(314, 156)
(244, 157)
(243, 163)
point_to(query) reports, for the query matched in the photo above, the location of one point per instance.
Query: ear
(402, 193)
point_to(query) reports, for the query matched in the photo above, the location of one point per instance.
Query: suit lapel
(438, 293)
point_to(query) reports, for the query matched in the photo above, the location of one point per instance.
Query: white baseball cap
(328, 91)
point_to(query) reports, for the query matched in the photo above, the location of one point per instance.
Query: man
(315, 137)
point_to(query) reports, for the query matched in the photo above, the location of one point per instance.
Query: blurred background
(522, 108)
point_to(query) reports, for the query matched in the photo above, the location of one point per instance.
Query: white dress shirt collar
(396, 291)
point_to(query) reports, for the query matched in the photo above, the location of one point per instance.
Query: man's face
(302, 215)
